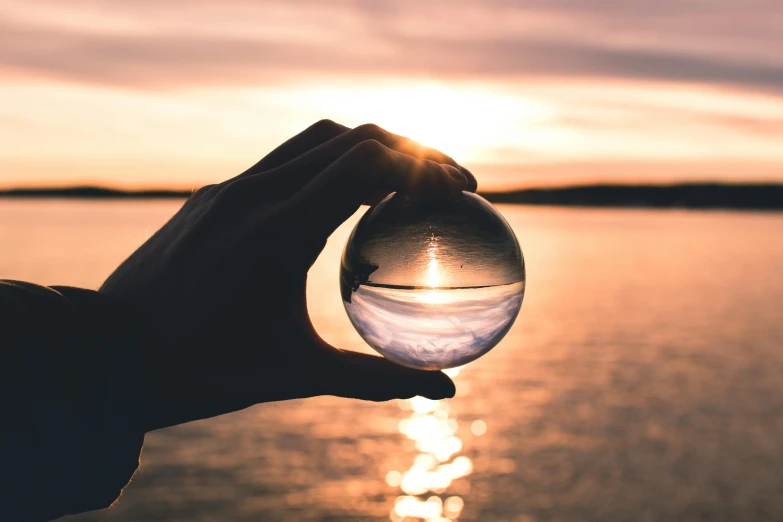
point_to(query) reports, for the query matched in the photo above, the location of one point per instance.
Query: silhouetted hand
(222, 284)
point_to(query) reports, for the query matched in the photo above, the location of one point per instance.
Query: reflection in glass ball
(432, 284)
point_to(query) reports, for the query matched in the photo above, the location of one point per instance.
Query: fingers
(365, 170)
(316, 134)
(328, 371)
(367, 377)
(405, 145)
(298, 172)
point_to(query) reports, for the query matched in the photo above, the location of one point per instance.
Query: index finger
(370, 167)
(297, 173)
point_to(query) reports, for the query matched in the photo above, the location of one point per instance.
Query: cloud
(171, 44)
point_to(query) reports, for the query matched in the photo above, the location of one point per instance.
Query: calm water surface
(643, 381)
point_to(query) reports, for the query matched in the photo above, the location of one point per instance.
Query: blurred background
(181, 93)
(642, 380)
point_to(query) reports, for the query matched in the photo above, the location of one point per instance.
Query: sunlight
(462, 120)
(437, 468)
(433, 297)
(509, 133)
(433, 275)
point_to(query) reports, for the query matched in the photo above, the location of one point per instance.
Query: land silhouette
(757, 196)
(684, 195)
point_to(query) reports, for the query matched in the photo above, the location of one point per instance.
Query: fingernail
(457, 174)
(470, 176)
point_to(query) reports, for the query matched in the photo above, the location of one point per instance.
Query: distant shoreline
(767, 196)
(89, 192)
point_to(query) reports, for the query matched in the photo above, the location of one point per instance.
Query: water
(642, 381)
(434, 328)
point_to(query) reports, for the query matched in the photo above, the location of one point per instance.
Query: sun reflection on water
(428, 487)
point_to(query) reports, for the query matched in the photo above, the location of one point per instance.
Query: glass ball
(435, 283)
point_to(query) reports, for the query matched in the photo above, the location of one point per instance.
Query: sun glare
(432, 297)
(463, 121)
(437, 471)
(433, 271)
(433, 274)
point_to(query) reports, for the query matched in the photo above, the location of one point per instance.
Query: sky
(179, 93)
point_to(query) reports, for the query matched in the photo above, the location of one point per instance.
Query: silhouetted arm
(67, 444)
(207, 317)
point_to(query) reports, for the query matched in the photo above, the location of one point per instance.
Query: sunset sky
(180, 93)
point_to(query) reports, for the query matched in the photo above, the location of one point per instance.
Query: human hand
(222, 284)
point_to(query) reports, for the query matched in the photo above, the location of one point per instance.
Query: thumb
(367, 377)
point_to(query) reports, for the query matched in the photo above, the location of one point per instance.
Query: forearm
(69, 438)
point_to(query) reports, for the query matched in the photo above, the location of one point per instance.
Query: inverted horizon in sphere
(434, 329)
(432, 284)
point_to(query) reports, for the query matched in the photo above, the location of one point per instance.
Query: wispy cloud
(160, 92)
(172, 43)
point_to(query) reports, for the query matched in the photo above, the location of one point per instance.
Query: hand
(223, 282)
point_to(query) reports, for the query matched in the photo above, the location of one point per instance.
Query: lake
(642, 381)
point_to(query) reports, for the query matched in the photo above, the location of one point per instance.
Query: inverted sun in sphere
(432, 284)
(433, 278)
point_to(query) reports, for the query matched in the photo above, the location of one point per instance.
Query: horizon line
(691, 195)
(107, 190)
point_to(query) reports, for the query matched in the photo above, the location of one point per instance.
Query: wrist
(126, 340)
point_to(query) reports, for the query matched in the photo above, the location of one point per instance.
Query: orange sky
(182, 93)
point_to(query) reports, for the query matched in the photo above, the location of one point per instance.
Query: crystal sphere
(432, 284)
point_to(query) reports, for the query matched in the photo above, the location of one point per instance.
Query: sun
(435, 117)
(433, 270)
(466, 121)
(433, 296)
